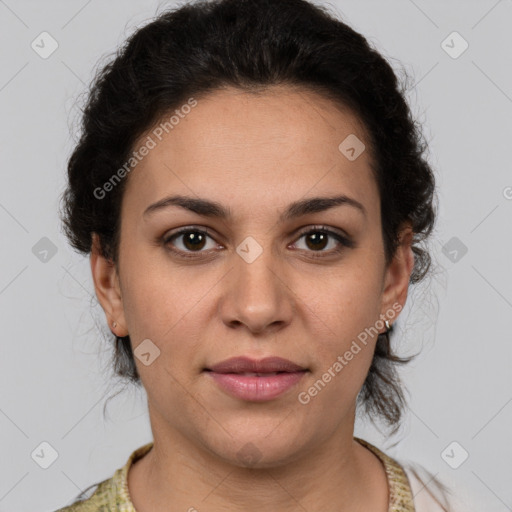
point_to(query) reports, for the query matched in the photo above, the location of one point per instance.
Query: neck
(179, 474)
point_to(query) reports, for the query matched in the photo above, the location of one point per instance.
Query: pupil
(193, 240)
(318, 238)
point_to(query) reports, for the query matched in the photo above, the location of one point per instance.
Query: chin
(253, 451)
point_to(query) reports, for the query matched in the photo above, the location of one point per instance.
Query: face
(268, 278)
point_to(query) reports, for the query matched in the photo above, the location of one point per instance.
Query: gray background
(55, 375)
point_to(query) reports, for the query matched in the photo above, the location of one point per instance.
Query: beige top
(112, 493)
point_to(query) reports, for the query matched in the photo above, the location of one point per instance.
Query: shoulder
(429, 493)
(94, 500)
(413, 488)
(110, 494)
(434, 494)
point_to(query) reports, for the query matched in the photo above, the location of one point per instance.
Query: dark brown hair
(251, 44)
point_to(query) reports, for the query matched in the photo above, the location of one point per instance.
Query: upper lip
(246, 364)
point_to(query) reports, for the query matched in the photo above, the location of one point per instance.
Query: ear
(108, 291)
(398, 273)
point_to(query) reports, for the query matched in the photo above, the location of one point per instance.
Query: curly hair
(204, 46)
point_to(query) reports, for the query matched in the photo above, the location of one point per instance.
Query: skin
(254, 154)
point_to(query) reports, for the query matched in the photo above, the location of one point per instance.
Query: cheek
(331, 391)
(343, 356)
(155, 295)
(349, 303)
(165, 307)
(344, 322)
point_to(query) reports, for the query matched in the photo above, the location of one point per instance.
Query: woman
(251, 188)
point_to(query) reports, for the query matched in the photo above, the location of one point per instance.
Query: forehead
(235, 146)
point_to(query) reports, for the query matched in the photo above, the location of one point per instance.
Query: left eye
(317, 240)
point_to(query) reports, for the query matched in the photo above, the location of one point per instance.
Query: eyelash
(343, 241)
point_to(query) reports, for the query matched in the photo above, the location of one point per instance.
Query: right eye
(193, 240)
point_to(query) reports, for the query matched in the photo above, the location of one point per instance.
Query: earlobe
(398, 273)
(108, 291)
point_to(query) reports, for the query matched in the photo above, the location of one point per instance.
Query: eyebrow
(207, 208)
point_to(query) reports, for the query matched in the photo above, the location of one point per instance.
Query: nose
(257, 295)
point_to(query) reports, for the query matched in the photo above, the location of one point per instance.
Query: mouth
(256, 380)
(246, 365)
(253, 374)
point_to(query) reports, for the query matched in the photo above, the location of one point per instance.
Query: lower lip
(256, 389)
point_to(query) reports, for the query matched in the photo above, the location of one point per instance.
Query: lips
(256, 381)
(246, 365)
